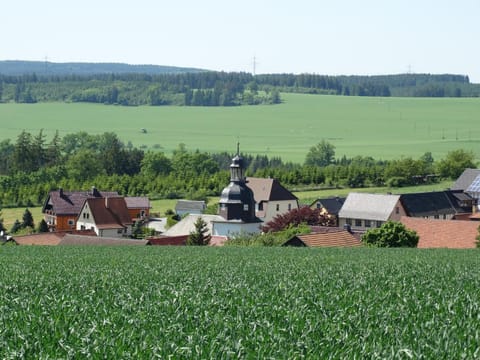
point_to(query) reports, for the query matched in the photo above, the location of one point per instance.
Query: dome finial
(238, 148)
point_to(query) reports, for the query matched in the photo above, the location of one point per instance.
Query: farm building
(184, 207)
(326, 237)
(363, 211)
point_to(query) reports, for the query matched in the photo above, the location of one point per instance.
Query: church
(237, 204)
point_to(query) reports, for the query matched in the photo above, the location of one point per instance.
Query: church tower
(237, 201)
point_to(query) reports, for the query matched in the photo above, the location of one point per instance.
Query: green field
(229, 303)
(383, 128)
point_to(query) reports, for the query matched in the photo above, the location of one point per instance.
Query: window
(436, 216)
(348, 221)
(319, 205)
(444, 216)
(245, 207)
(289, 207)
(379, 223)
(84, 215)
(71, 222)
(260, 206)
(358, 222)
(278, 207)
(119, 231)
(368, 223)
(397, 210)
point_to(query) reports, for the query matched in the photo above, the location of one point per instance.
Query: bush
(391, 234)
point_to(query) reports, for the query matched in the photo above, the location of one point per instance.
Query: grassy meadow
(383, 128)
(232, 302)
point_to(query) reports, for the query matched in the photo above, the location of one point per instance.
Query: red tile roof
(109, 212)
(453, 234)
(334, 238)
(169, 240)
(49, 238)
(72, 239)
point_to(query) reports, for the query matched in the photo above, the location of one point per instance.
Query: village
(442, 219)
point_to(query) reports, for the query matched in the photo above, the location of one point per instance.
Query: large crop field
(384, 128)
(255, 303)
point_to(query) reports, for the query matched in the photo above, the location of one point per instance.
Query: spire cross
(238, 148)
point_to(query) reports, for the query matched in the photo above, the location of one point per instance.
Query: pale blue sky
(332, 37)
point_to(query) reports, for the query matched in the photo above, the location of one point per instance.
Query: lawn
(383, 128)
(253, 303)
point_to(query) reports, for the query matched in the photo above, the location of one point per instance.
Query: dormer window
(245, 207)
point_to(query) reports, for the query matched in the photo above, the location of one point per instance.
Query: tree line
(31, 167)
(221, 88)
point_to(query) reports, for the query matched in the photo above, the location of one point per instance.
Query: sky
(327, 37)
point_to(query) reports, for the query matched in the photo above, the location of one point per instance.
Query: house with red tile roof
(108, 217)
(327, 237)
(271, 198)
(452, 234)
(138, 207)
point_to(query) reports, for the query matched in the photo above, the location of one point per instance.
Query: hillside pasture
(384, 128)
(267, 303)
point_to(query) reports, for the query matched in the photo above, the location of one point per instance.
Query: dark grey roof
(434, 203)
(332, 205)
(186, 205)
(466, 179)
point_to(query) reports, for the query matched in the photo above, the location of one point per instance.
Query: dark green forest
(31, 167)
(149, 85)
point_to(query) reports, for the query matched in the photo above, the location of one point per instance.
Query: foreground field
(383, 128)
(282, 303)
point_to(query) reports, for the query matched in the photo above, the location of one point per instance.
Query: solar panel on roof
(475, 185)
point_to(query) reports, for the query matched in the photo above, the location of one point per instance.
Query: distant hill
(20, 67)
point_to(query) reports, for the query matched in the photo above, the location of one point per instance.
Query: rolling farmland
(383, 128)
(181, 302)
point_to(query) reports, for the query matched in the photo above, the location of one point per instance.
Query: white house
(108, 217)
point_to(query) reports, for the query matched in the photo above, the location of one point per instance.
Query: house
(469, 182)
(444, 205)
(271, 198)
(452, 234)
(184, 207)
(108, 217)
(61, 208)
(329, 207)
(138, 207)
(327, 237)
(362, 211)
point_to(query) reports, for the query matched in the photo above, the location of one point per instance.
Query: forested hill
(40, 68)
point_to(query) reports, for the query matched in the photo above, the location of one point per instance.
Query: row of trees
(31, 167)
(221, 88)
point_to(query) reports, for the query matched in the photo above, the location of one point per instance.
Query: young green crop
(282, 303)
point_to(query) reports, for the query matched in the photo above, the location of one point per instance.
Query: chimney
(95, 192)
(106, 202)
(60, 191)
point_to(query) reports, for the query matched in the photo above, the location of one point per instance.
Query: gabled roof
(334, 238)
(268, 190)
(71, 202)
(190, 205)
(332, 205)
(48, 238)
(187, 224)
(71, 239)
(110, 212)
(453, 234)
(466, 179)
(137, 202)
(368, 206)
(434, 203)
